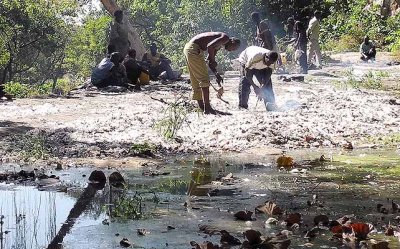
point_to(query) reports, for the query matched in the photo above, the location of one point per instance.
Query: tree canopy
(44, 40)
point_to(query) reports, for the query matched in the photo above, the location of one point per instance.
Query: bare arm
(212, 49)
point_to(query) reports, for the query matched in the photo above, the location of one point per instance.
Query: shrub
(17, 89)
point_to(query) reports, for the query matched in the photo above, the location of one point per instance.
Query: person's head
(318, 14)
(290, 21)
(116, 58)
(299, 26)
(111, 49)
(132, 53)
(366, 39)
(153, 48)
(270, 58)
(255, 16)
(232, 44)
(118, 15)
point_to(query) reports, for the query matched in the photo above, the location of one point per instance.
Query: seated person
(109, 72)
(157, 63)
(133, 69)
(367, 50)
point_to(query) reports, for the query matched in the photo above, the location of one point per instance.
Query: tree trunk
(133, 36)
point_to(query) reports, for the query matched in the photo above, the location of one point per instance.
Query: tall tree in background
(134, 38)
(32, 39)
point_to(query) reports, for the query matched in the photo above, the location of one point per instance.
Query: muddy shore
(322, 112)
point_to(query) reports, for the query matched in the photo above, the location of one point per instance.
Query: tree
(133, 36)
(33, 37)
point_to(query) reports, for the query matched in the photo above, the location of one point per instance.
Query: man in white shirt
(255, 62)
(313, 37)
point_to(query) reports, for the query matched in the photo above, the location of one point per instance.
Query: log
(133, 36)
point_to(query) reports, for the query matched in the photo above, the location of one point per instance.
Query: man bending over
(198, 72)
(255, 62)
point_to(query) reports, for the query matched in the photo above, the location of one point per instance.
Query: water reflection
(31, 216)
(80, 206)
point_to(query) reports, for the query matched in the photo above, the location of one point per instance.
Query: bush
(344, 29)
(17, 89)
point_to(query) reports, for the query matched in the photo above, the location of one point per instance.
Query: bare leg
(201, 104)
(206, 100)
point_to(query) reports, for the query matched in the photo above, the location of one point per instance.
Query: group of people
(120, 67)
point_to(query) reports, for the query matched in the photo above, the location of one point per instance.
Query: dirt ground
(322, 111)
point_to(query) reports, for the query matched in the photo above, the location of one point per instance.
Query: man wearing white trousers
(313, 37)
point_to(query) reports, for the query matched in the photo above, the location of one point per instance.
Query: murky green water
(188, 196)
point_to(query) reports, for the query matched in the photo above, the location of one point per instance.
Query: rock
(97, 176)
(116, 179)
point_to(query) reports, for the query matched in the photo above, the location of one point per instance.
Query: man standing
(119, 34)
(198, 72)
(313, 37)
(255, 62)
(264, 36)
(301, 46)
(158, 63)
(367, 50)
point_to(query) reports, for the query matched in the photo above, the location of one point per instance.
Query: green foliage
(175, 117)
(88, 45)
(18, 90)
(33, 37)
(144, 149)
(128, 208)
(173, 23)
(32, 146)
(344, 28)
(371, 80)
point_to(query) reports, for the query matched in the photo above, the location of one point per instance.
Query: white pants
(314, 48)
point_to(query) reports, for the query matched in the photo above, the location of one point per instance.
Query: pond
(171, 202)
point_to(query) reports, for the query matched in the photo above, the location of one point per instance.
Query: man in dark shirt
(133, 69)
(367, 50)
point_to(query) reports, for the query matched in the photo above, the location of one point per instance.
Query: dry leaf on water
(204, 245)
(379, 244)
(389, 231)
(125, 242)
(395, 207)
(285, 161)
(321, 219)
(244, 215)
(294, 218)
(227, 239)
(208, 229)
(253, 237)
(269, 208)
(359, 230)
